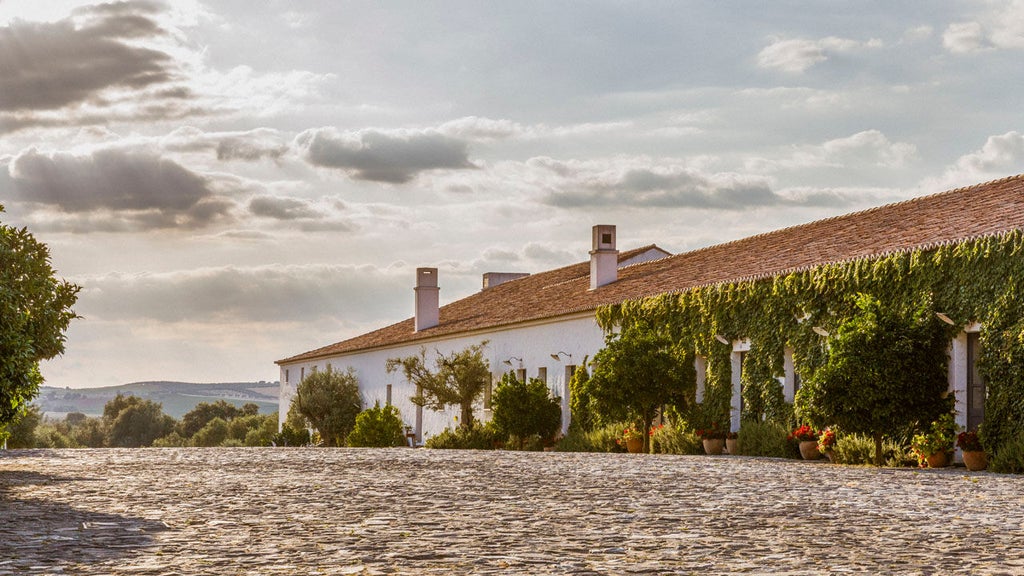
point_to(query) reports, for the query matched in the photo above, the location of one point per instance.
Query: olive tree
(330, 401)
(133, 422)
(885, 373)
(35, 311)
(457, 380)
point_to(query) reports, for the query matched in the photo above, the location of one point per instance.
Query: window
(388, 400)
(521, 374)
(302, 374)
(487, 392)
(542, 374)
(287, 378)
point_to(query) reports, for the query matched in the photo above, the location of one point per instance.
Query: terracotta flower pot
(732, 445)
(713, 447)
(937, 460)
(809, 450)
(975, 459)
(634, 445)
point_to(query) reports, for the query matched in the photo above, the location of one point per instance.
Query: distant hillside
(177, 398)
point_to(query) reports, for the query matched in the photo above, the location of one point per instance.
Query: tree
(523, 409)
(885, 373)
(194, 420)
(330, 401)
(21, 432)
(378, 428)
(459, 379)
(134, 422)
(636, 373)
(35, 311)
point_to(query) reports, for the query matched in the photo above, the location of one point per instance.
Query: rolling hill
(177, 398)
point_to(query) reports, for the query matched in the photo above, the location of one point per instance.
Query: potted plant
(713, 439)
(732, 442)
(973, 451)
(808, 440)
(632, 439)
(932, 447)
(826, 442)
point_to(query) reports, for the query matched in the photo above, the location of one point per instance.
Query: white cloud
(964, 37)
(1000, 26)
(797, 55)
(1001, 155)
(870, 148)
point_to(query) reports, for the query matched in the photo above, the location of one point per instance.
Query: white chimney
(427, 301)
(604, 258)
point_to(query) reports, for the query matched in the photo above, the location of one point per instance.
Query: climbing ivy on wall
(970, 281)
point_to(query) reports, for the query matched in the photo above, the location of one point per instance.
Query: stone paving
(401, 511)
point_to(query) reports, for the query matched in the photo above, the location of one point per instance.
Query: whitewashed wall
(577, 335)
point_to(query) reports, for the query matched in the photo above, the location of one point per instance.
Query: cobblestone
(400, 511)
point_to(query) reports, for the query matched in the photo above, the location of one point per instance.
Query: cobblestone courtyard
(324, 511)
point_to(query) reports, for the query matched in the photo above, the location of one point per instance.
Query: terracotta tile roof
(928, 221)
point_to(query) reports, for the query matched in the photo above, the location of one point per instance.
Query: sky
(235, 182)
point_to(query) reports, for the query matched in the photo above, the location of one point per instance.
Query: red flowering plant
(712, 433)
(803, 434)
(732, 435)
(969, 442)
(629, 434)
(654, 429)
(826, 440)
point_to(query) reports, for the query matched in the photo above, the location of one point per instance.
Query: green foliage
(35, 311)
(194, 420)
(859, 449)
(172, 440)
(525, 409)
(885, 372)
(330, 401)
(1002, 366)
(675, 439)
(583, 414)
(133, 422)
(1009, 458)
(291, 436)
(378, 427)
(458, 380)
(766, 439)
(639, 370)
(939, 437)
(601, 439)
(214, 433)
(476, 437)
(22, 429)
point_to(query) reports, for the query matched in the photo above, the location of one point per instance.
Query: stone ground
(401, 511)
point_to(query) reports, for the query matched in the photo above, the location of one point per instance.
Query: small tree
(133, 422)
(459, 379)
(196, 419)
(35, 310)
(330, 401)
(21, 432)
(523, 409)
(636, 373)
(885, 373)
(378, 428)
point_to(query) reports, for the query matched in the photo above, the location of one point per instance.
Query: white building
(542, 325)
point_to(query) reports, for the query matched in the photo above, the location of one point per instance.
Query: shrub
(525, 409)
(330, 401)
(1009, 458)
(292, 436)
(859, 449)
(477, 437)
(670, 439)
(603, 439)
(264, 432)
(766, 439)
(172, 440)
(231, 443)
(378, 428)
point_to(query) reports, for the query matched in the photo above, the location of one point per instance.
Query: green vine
(975, 280)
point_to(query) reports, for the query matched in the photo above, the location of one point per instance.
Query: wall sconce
(556, 357)
(721, 339)
(820, 331)
(509, 361)
(945, 318)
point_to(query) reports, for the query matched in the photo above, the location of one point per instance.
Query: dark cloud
(383, 157)
(282, 208)
(250, 145)
(47, 66)
(141, 188)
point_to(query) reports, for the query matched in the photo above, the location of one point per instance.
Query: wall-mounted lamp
(557, 356)
(945, 318)
(721, 339)
(509, 361)
(820, 331)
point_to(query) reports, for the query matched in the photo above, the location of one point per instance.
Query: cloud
(870, 148)
(797, 55)
(964, 37)
(251, 145)
(282, 208)
(47, 66)
(1001, 26)
(393, 157)
(1001, 155)
(127, 189)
